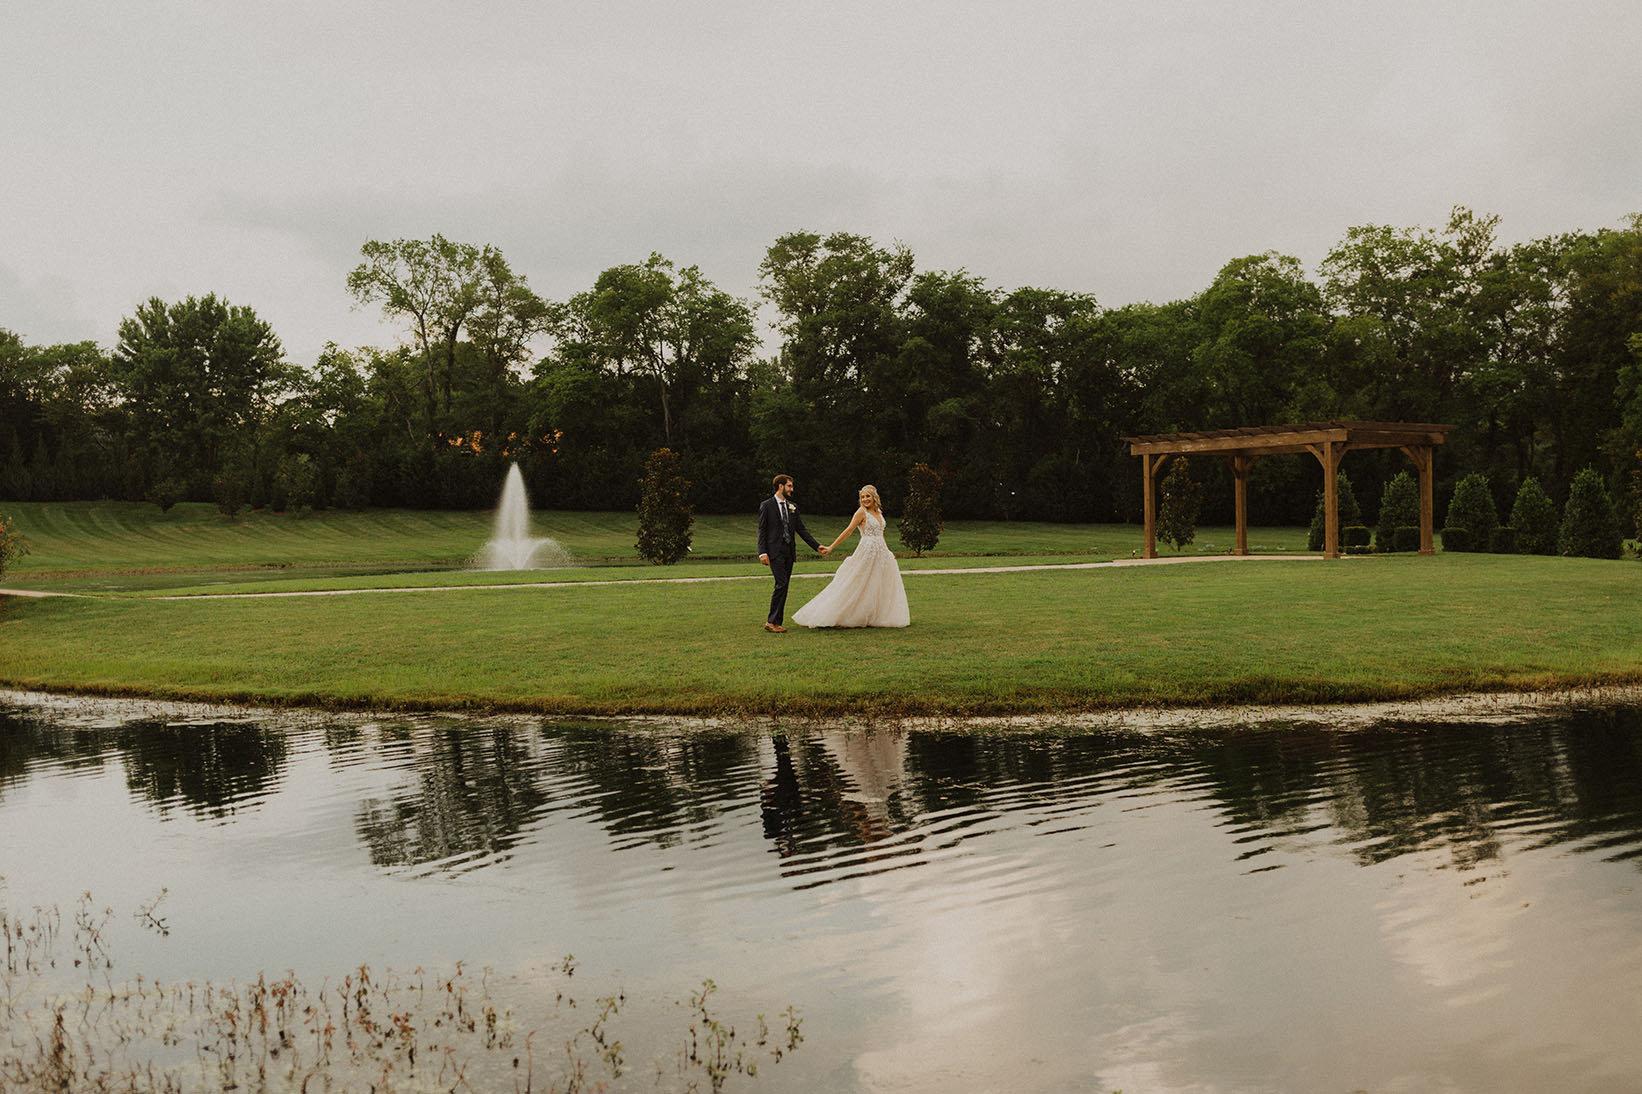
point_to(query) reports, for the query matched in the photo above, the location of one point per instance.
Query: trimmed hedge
(1503, 540)
(1590, 527)
(1457, 539)
(1355, 535)
(1472, 508)
(1399, 505)
(1406, 538)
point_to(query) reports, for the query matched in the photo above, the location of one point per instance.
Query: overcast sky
(1128, 150)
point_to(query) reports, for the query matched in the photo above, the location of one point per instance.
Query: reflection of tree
(210, 769)
(29, 740)
(475, 791)
(656, 788)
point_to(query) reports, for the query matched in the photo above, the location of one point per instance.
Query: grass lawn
(133, 548)
(1048, 640)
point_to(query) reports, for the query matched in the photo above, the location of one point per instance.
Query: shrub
(1472, 508)
(1457, 539)
(1406, 537)
(1503, 540)
(664, 516)
(1533, 515)
(12, 545)
(229, 489)
(1399, 505)
(1182, 499)
(1347, 511)
(1590, 528)
(166, 493)
(1355, 535)
(921, 525)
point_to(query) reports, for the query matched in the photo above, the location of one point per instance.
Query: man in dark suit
(778, 524)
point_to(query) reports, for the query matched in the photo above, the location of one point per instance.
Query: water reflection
(1413, 905)
(468, 793)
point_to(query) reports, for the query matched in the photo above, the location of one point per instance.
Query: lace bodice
(872, 527)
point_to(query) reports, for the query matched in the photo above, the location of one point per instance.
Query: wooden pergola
(1328, 441)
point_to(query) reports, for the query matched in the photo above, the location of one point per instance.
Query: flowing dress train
(865, 592)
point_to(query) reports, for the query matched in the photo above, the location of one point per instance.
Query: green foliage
(167, 492)
(1590, 527)
(1406, 537)
(1458, 539)
(296, 483)
(1354, 535)
(12, 545)
(1534, 517)
(1503, 540)
(1182, 500)
(1347, 512)
(1472, 508)
(664, 515)
(1399, 506)
(920, 525)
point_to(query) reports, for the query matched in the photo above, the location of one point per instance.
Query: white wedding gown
(865, 592)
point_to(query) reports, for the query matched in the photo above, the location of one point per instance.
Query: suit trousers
(781, 563)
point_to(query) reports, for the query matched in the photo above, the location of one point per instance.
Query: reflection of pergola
(1328, 441)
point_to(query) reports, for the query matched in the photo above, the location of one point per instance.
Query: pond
(1412, 903)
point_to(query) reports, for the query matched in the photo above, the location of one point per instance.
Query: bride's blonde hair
(877, 502)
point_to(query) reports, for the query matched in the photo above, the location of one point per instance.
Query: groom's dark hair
(779, 479)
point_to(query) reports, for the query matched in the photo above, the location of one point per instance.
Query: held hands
(824, 550)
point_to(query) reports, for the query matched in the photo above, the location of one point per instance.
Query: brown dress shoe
(775, 628)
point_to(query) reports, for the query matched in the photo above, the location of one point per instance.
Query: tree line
(1018, 399)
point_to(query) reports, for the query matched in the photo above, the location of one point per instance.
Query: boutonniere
(791, 507)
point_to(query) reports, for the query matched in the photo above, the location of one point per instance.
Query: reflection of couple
(865, 592)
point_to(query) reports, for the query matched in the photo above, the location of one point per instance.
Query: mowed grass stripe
(1045, 641)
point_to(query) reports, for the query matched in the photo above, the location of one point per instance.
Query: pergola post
(1328, 454)
(1421, 455)
(1149, 466)
(1240, 468)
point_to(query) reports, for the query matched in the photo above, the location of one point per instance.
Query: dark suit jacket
(770, 541)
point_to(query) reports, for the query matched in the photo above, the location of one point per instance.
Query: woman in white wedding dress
(866, 591)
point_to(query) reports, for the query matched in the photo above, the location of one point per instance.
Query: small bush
(1472, 508)
(229, 489)
(166, 493)
(1534, 517)
(1399, 505)
(1347, 511)
(12, 545)
(1182, 499)
(1406, 538)
(1355, 535)
(664, 516)
(1457, 539)
(1503, 540)
(921, 525)
(1590, 528)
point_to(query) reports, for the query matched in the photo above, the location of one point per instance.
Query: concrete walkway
(1170, 561)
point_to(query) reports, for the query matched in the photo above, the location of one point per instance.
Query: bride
(866, 591)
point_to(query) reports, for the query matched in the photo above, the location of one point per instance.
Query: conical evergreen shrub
(1472, 508)
(1534, 517)
(1348, 512)
(1590, 528)
(1399, 508)
(1182, 500)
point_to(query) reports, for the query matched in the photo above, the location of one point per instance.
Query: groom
(778, 522)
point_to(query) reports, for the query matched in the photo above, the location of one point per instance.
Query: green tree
(1534, 517)
(1182, 499)
(1590, 527)
(197, 378)
(434, 285)
(1472, 508)
(1347, 513)
(920, 525)
(664, 513)
(1399, 508)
